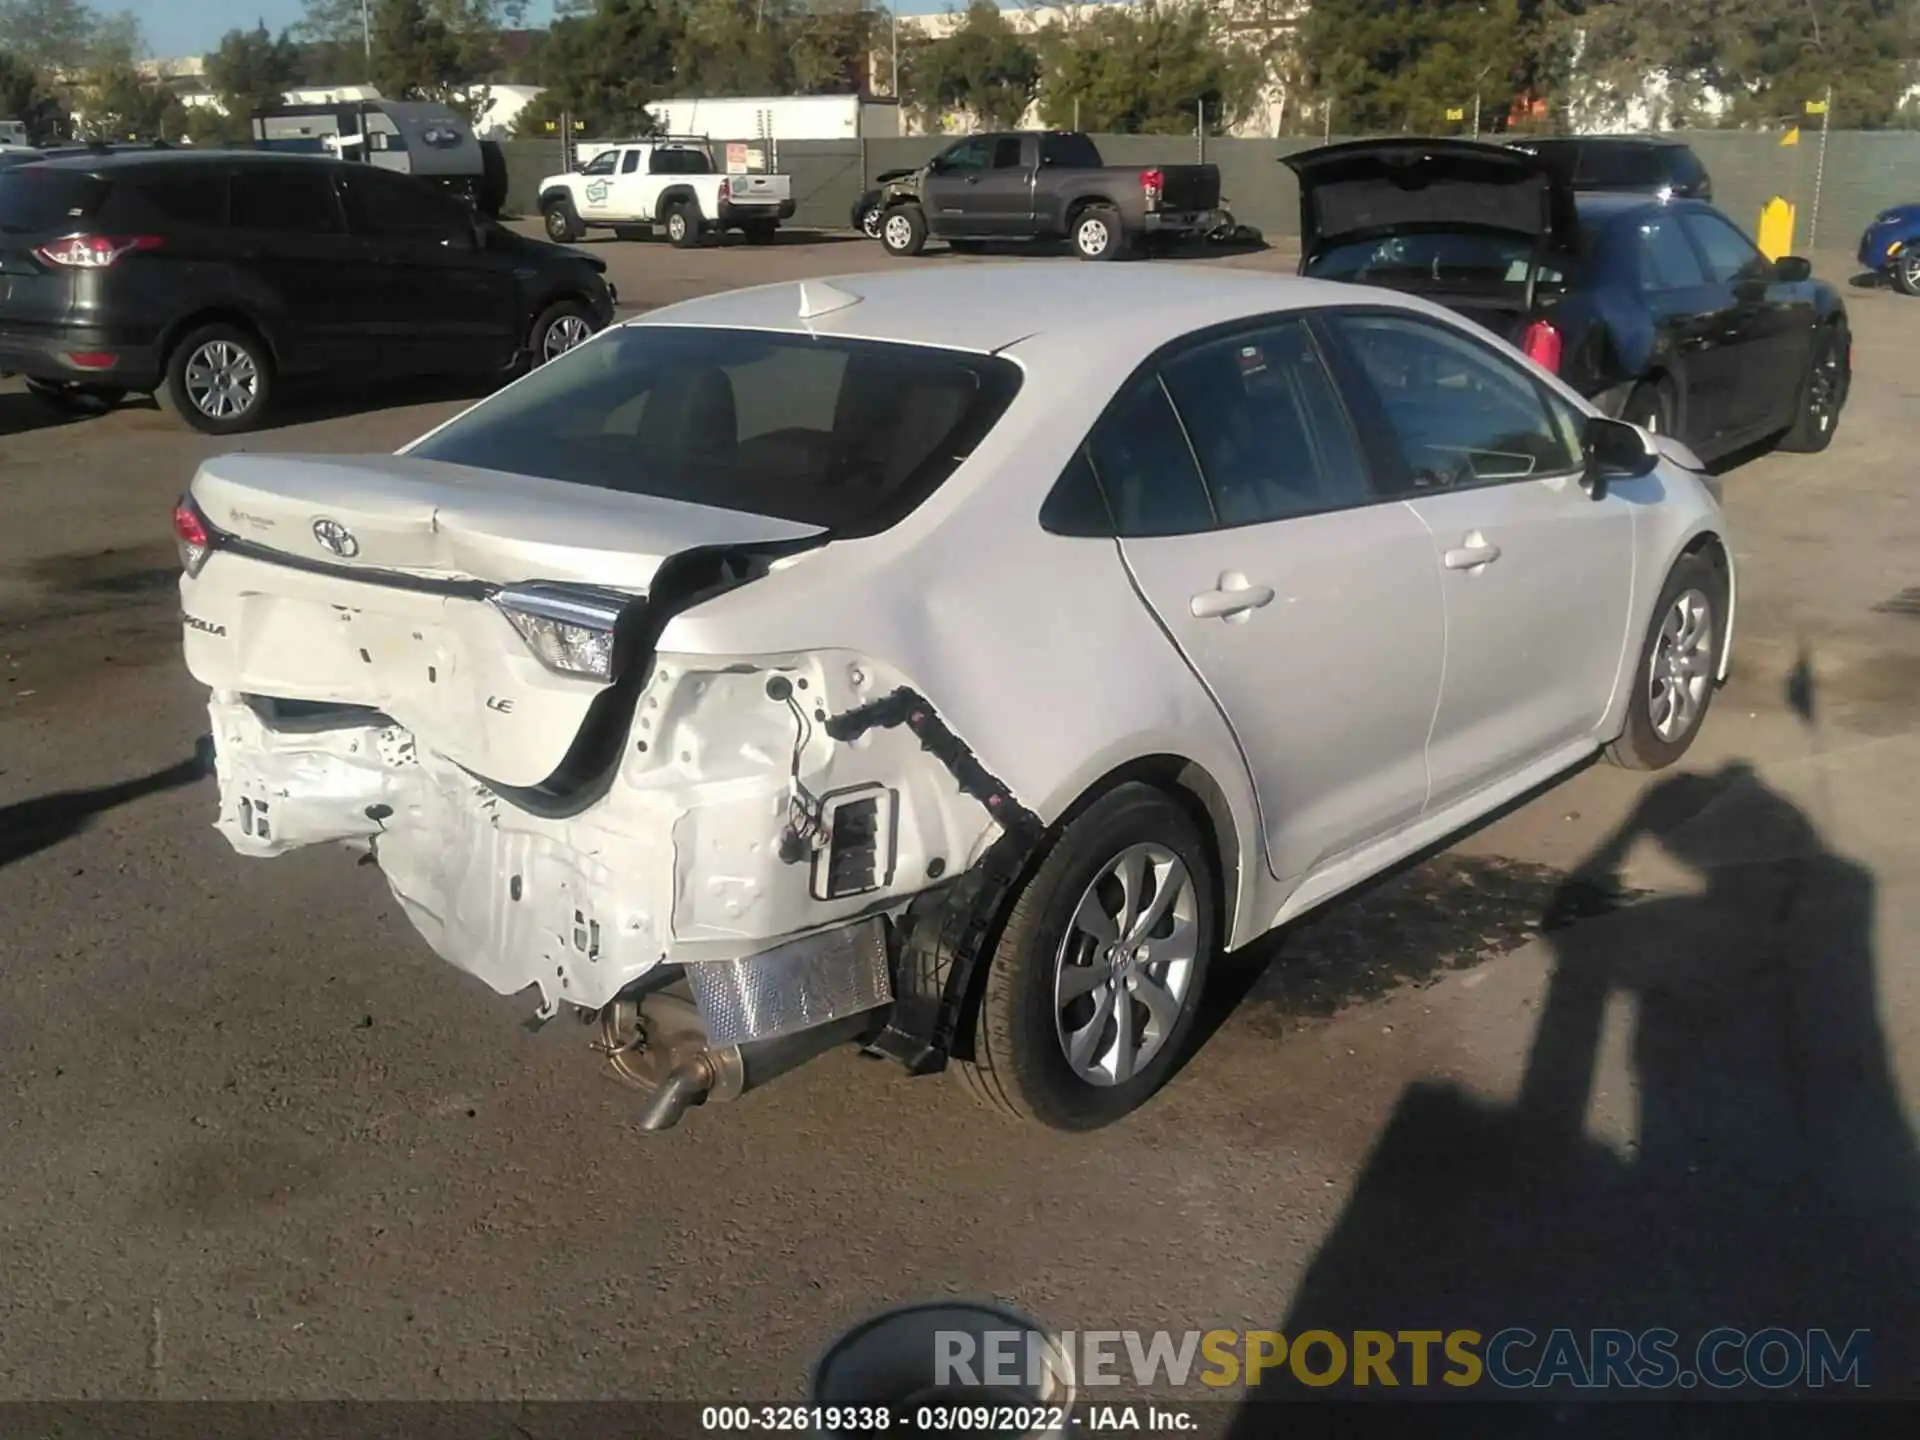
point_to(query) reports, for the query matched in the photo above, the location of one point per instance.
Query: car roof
(1599, 206)
(112, 161)
(987, 308)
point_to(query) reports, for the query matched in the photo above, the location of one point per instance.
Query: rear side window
(1146, 467)
(1069, 152)
(680, 161)
(844, 434)
(297, 200)
(194, 197)
(1667, 261)
(1620, 167)
(1685, 168)
(33, 199)
(1268, 426)
(385, 205)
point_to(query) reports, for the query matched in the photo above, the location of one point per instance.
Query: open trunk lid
(1474, 227)
(396, 586)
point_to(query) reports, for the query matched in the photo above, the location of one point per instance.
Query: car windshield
(844, 434)
(35, 198)
(1455, 259)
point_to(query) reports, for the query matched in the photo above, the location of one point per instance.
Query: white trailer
(764, 118)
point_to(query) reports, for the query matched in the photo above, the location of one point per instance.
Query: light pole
(893, 27)
(366, 39)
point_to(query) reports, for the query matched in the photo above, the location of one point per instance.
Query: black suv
(1629, 164)
(211, 277)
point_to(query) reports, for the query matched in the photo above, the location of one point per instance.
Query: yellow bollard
(1776, 229)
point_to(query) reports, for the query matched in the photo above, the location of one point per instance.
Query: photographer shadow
(1771, 1178)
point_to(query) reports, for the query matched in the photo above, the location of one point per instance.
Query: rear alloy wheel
(1092, 991)
(220, 380)
(683, 226)
(870, 222)
(76, 397)
(1679, 667)
(1905, 272)
(1823, 395)
(563, 225)
(1097, 234)
(561, 327)
(903, 230)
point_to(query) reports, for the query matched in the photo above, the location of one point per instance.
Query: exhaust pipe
(658, 1043)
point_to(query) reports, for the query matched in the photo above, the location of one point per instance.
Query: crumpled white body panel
(679, 862)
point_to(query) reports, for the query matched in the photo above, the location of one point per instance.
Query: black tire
(869, 224)
(1650, 406)
(1018, 1061)
(76, 397)
(761, 232)
(683, 226)
(558, 330)
(1822, 395)
(1904, 274)
(903, 230)
(491, 198)
(1641, 746)
(1098, 234)
(245, 354)
(562, 222)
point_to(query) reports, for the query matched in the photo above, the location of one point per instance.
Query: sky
(193, 27)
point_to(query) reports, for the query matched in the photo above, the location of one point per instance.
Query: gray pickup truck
(1046, 185)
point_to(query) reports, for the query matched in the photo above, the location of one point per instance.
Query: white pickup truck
(665, 181)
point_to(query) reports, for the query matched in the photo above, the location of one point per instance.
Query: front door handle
(1472, 554)
(1234, 598)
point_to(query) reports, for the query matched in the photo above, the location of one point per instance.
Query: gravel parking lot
(260, 1143)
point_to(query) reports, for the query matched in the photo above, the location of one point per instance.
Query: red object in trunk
(1542, 345)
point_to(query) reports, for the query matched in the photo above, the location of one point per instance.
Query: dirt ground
(1635, 1054)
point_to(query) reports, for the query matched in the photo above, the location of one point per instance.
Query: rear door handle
(1232, 600)
(1472, 554)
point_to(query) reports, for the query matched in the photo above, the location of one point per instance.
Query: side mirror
(1616, 450)
(1792, 269)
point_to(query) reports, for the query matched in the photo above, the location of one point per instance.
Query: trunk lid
(759, 189)
(39, 203)
(1366, 188)
(373, 583)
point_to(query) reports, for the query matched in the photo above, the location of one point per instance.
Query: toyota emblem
(336, 538)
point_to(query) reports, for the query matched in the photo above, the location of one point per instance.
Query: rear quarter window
(196, 197)
(848, 435)
(35, 198)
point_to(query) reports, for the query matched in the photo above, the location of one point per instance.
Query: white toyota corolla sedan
(948, 663)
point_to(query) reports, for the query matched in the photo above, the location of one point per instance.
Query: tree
(126, 105)
(982, 68)
(418, 32)
(830, 43)
(416, 55)
(604, 66)
(1386, 65)
(252, 69)
(1146, 68)
(63, 37)
(26, 96)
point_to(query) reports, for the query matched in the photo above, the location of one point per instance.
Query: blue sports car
(1891, 247)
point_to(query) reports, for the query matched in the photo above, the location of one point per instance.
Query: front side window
(294, 199)
(972, 154)
(602, 164)
(1268, 425)
(1462, 414)
(1667, 261)
(1730, 255)
(844, 434)
(1145, 466)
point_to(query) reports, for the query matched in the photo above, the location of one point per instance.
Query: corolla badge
(336, 538)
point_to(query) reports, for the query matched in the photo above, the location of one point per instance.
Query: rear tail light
(726, 189)
(93, 252)
(570, 630)
(1542, 345)
(192, 534)
(1153, 184)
